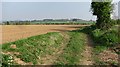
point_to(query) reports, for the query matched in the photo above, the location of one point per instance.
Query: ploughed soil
(11, 33)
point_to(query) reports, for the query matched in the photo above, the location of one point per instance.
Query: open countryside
(15, 32)
(60, 42)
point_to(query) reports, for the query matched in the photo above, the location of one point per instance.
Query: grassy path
(87, 53)
(50, 59)
(71, 48)
(57, 48)
(75, 49)
(72, 52)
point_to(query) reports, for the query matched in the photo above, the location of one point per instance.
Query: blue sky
(50, 0)
(40, 9)
(119, 10)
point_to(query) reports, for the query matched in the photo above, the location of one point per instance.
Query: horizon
(50, 18)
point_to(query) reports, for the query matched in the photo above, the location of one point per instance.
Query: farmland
(15, 32)
(55, 45)
(60, 38)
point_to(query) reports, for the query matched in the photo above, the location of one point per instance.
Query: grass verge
(29, 50)
(73, 50)
(106, 44)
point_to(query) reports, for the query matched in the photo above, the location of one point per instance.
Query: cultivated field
(59, 47)
(14, 32)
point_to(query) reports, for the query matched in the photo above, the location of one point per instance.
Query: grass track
(73, 50)
(65, 48)
(41, 49)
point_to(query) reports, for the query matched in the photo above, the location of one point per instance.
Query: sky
(119, 10)
(42, 9)
(51, 0)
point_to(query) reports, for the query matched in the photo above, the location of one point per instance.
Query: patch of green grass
(99, 49)
(109, 38)
(33, 47)
(103, 39)
(73, 50)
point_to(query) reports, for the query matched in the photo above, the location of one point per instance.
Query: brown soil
(87, 53)
(10, 53)
(14, 32)
(13, 46)
(108, 57)
(19, 61)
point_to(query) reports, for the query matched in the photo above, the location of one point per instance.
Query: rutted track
(15, 32)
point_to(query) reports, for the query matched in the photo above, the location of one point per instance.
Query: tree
(103, 12)
(118, 21)
(74, 20)
(7, 23)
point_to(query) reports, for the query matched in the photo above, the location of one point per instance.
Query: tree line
(48, 22)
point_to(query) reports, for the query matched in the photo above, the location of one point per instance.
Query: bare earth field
(15, 32)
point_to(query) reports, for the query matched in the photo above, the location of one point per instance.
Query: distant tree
(103, 12)
(7, 23)
(74, 19)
